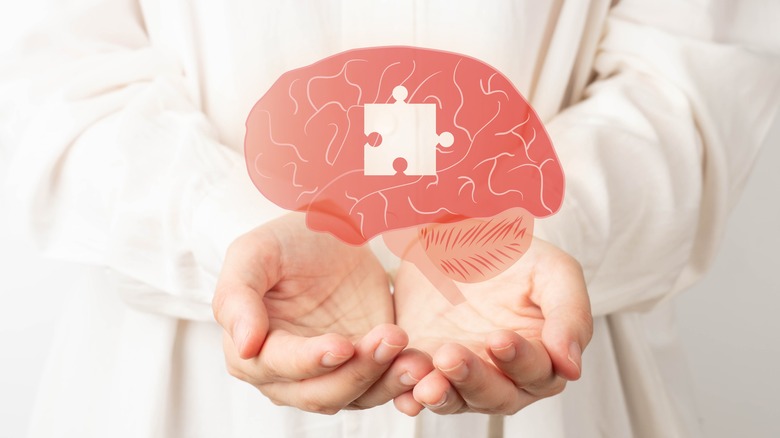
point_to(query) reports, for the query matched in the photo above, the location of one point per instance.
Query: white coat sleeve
(112, 163)
(658, 150)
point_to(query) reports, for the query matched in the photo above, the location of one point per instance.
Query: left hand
(517, 339)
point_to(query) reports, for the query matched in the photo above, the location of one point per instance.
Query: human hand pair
(309, 322)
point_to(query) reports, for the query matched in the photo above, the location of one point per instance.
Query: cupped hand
(518, 337)
(309, 321)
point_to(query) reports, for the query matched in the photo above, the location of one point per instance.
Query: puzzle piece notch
(407, 137)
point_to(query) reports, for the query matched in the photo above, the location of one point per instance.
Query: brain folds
(305, 144)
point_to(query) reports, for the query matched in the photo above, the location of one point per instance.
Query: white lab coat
(124, 126)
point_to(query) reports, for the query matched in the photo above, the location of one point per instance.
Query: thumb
(250, 269)
(241, 312)
(566, 333)
(568, 327)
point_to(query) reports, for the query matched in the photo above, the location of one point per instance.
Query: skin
(309, 321)
(517, 339)
(312, 324)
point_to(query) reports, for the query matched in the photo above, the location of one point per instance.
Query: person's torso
(233, 51)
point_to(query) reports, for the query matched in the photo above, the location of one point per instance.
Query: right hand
(308, 320)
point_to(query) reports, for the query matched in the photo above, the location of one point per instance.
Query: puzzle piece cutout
(407, 139)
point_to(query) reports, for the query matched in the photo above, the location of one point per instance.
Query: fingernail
(458, 372)
(575, 355)
(440, 403)
(386, 352)
(331, 360)
(407, 379)
(506, 353)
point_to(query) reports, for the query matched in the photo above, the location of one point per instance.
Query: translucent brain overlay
(305, 144)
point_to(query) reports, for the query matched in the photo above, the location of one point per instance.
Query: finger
(286, 357)
(333, 391)
(241, 312)
(565, 334)
(551, 385)
(524, 362)
(406, 404)
(250, 268)
(562, 295)
(436, 393)
(406, 370)
(482, 387)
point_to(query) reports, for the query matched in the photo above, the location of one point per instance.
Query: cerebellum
(474, 250)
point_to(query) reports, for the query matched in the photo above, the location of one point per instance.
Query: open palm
(515, 339)
(325, 286)
(309, 320)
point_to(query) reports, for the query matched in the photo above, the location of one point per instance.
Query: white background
(729, 323)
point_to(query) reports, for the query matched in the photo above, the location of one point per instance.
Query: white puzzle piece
(409, 138)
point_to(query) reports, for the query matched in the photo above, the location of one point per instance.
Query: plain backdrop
(729, 322)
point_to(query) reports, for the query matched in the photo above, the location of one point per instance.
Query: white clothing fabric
(124, 124)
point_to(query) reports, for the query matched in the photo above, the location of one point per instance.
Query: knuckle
(270, 370)
(547, 388)
(585, 320)
(275, 400)
(511, 409)
(589, 322)
(329, 411)
(555, 387)
(494, 410)
(505, 407)
(360, 404)
(360, 378)
(582, 316)
(271, 375)
(309, 405)
(273, 396)
(318, 407)
(578, 318)
(475, 388)
(452, 406)
(235, 371)
(517, 406)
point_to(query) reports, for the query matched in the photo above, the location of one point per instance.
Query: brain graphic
(305, 151)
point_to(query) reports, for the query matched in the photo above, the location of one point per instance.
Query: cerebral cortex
(305, 144)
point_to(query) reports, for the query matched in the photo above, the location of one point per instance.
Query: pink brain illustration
(333, 140)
